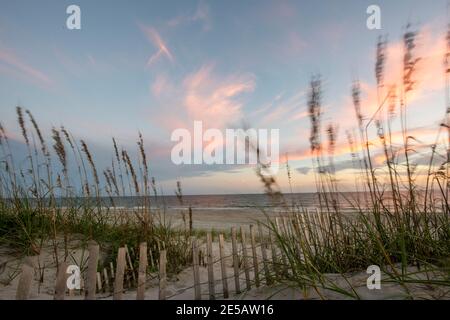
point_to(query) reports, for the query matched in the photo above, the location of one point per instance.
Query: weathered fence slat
(264, 255)
(274, 254)
(317, 225)
(61, 281)
(92, 271)
(255, 257)
(304, 224)
(162, 275)
(281, 233)
(235, 260)
(223, 266)
(152, 262)
(105, 276)
(297, 234)
(120, 269)
(130, 264)
(142, 276)
(284, 223)
(26, 278)
(111, 267)
(99, 282)
(245, 259)
(210, 261)
(197, 288)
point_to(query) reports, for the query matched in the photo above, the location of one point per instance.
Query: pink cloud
(212, 99)
(343, 148)
(71, 66)
(161, 85)
(153, 36)
(428, 77)
(295, 44)
(202, 95)
(13, 65)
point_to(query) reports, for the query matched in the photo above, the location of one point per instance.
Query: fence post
(111, 267)
(150, 253)
(130, 263)
(197, 288)
(99, 282)
(120, 269)
(235, 260)
(318, 226)
(277, 224)
(285, 226)
(212, 293)
(255, 257)
(223, 266)
(142, 276)
(298, 225)
(281, 233)
(105, 276)
(26, 277)
(322, 220)
(295, 222)
(162, 275)
(264, 254)
(245, 259)
(274, 254)
(92, 271)
(61, 281)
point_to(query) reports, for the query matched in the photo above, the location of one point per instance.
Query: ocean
(262, 202)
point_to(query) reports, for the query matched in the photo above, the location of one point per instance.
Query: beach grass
(402, 225)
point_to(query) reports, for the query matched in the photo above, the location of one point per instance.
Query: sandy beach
(180, 286)
(218, 219)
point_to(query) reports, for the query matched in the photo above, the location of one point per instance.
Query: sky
(155, 66)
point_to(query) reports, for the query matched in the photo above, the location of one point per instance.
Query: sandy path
(180, 286)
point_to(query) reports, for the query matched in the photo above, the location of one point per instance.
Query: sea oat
(409, 63)
(356, 94)
(447, 53)
(116, 151)
(22, 124)
(67, 136)
(127, 160)
(59, 149)
(91, 162)
(39, 134)
(2, 134)
(381, 59)
(332, 132)
(113, 180)
(144, 160)
(392, 100)
(314, 104)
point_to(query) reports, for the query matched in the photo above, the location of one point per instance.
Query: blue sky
(153, 66)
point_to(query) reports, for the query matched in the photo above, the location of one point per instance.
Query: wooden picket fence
(255, 259)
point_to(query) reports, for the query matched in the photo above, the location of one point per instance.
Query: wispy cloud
(200, 15)
(213, 99)
(282, 108)
(428, 78)
(13, 65)
(154, 37)
(161, 85)
(203, 95)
